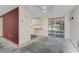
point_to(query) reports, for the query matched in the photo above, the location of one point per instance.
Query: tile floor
(40, 45)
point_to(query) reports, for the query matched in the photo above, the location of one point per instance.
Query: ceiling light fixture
(44, 7)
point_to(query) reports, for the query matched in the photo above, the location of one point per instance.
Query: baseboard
(25, 43)
(1, 36)
(74, 45)
(10, 42)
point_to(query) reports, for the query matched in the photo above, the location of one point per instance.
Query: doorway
(56, 27)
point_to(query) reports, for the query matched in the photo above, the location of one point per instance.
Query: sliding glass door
(56, 27)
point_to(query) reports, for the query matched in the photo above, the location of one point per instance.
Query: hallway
(39, 29)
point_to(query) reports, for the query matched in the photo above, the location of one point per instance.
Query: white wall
(24, 25)
(67, 26)
(1, 26)
(44, 24)
(36, 21)
(74, 27)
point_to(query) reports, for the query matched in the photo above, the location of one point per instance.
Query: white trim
(10, 42)
(74, 45)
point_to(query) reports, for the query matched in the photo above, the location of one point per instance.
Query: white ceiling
(37, 10)
(6, 8)
(52, 10)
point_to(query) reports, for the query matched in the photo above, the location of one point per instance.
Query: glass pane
(56, 28)
(60, 31)
(51, 27)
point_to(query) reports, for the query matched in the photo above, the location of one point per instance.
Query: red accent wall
(11, 26)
